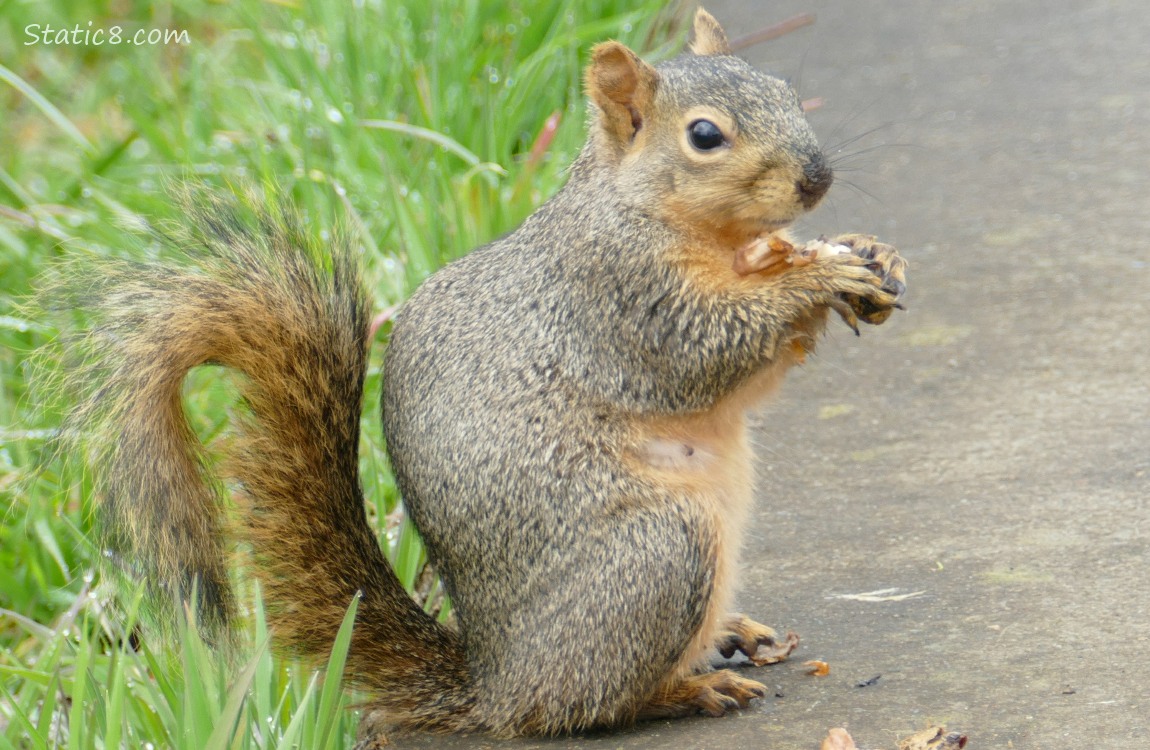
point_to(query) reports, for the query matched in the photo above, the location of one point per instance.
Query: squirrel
(565, 411)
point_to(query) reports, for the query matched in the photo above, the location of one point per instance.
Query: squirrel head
(704, 141)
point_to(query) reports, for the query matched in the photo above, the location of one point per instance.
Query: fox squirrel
(564, 410)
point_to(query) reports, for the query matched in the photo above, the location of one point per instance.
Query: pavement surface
(988, 451)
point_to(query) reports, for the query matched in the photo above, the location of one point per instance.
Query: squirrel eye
(705, 135)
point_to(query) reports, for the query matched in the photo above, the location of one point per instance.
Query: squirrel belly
(565, 411)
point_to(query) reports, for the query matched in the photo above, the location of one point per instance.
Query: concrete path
(989, 450)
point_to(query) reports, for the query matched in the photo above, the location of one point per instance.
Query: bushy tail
(255, 294)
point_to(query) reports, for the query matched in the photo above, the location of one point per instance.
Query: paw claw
(846, 311)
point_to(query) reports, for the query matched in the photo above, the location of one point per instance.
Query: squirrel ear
(709, 37)
(622, 87)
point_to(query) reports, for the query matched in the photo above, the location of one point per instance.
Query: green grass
(419, 123)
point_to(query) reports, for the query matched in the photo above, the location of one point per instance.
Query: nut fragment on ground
(933, 738)
(817, 668)
(779, 650)
(838, 739)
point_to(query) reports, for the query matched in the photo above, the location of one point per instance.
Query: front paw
(888, 265)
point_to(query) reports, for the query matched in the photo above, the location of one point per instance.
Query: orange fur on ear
(709, 37)
(622, 86)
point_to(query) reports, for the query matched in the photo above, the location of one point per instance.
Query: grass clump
(431, 127)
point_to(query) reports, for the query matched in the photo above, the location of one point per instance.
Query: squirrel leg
(759, 643)
(712, 693)
(564, 662)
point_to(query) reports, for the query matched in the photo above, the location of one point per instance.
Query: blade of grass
(101, 165)
(263, 690)
(31, 734)
(229, 717)
(56, 116)
(409, 554)
(439, 139)
(295, 728)
(200, 695)
(116, 697)
(48, 715)
(77, 726)
(332, 693)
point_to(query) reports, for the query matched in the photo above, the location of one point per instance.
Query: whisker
(878, 146)
(847, 121)
(856, 138)
(863, 191)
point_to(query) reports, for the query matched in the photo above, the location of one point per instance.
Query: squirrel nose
(816, 180)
